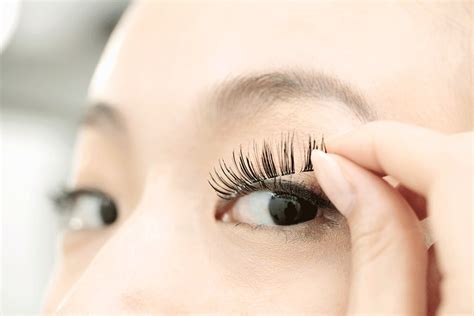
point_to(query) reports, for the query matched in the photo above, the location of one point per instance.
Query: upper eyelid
(65, 196)
(301, 188)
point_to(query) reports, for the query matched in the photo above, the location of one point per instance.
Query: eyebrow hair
(250, 94)
(262, 90)
(103, 114)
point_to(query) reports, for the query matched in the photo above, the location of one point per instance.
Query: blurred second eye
(86, 209)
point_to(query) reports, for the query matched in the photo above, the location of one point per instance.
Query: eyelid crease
(249, 171)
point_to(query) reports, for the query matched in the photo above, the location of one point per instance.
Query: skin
(167, 252)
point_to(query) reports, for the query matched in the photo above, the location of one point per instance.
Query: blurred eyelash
(249, 171)
(61, 198)
(64, 198)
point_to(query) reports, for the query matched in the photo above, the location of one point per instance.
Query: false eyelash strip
(248, 171)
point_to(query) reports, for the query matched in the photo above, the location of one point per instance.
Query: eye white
(84, 213)
(252, 209)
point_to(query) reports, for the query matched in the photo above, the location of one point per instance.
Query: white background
(44, 71)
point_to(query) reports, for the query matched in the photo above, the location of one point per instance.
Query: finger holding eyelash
(396, 149)
(389, 257)
(439, 167)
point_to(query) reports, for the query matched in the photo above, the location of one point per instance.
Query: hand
(389, 257)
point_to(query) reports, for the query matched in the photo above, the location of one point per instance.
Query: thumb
(388, 272)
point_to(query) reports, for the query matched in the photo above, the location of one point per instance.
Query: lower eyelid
(313, 230)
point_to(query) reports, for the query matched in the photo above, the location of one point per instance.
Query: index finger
(411, 154)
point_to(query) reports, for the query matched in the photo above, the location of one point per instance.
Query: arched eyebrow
(251, 94)
(105, 115)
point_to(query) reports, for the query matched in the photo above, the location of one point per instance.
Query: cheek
(77, 250)
(280, 273)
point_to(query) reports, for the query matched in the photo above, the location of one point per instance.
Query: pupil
(108, 212)
(290, 210)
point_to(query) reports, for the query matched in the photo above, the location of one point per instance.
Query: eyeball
(269, 208)
(86, 209)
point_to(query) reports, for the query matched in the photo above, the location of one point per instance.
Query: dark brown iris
(290, 210)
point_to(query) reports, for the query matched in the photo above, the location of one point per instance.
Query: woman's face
(181, 86)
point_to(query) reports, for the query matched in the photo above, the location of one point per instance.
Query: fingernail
(333, 182)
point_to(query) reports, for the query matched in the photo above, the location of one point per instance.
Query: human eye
(86, 209)
(266, 188)
(281, 203)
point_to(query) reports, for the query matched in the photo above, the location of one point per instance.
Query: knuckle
(459, 150)
(375, 239)
(369, 241)
(456, 158)
(381, 125)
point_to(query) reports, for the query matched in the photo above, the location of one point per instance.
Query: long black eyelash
(249, 171)
(312, 145)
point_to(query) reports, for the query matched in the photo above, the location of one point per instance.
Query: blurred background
(45, 69)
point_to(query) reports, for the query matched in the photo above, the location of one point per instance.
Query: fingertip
(332, 142)
(333, 181)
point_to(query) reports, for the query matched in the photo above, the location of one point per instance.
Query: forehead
(168, 56)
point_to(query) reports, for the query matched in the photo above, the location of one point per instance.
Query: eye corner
(222, 207)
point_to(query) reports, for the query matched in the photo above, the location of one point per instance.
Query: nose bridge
(158, 192)
(147, 255)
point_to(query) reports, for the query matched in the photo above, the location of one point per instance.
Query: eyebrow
(252, 93)
(103, 114)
